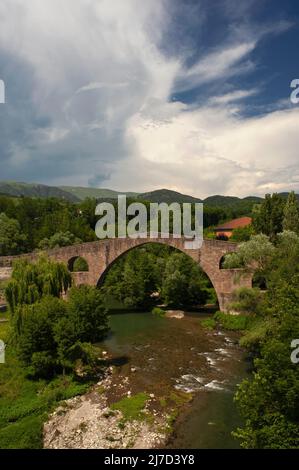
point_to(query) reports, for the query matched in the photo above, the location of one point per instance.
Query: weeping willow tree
(31, 281)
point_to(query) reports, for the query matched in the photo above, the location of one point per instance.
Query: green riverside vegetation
(132, 407)
(50, 353)
(269, 401)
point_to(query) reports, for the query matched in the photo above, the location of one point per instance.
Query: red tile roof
(235, 223)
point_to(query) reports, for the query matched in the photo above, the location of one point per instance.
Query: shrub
(209, 323)
(33, 329)
(257, 333)
(159, 312)
(87, 313)
(42, 364)
(246, 300)
(31, 281)
(25, 434)
(232, 322)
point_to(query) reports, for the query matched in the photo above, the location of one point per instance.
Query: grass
(233, 322)
(25, 403)
(230, 322)
(257, 332)
(180, 398)
(163, 402)
(209, 323)
(24, 434)
(132, 407)
(173, 402)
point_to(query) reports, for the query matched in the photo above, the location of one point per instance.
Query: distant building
(225, 231)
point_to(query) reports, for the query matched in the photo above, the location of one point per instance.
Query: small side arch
(222, 260)
(77, 264)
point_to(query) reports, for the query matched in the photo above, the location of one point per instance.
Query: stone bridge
(100, 255)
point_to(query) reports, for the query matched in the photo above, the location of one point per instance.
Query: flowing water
(162, 355)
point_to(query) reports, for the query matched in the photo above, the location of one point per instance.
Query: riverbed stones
(87, 422)
(179, 314)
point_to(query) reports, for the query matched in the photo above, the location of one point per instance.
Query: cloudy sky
(190, 95)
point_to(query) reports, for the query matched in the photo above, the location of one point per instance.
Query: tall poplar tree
(291, 214)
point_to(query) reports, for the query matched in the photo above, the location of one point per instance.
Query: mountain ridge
(18, 189)
(78, 193)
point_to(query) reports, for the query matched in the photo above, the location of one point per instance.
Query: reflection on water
(164, 354)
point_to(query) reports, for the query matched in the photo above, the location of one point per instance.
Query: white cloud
(100, 89)
(211, 150)
(217, 64)
(232, 96)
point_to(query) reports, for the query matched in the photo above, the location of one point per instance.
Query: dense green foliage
(31, 281)
(48, 333)
(11, 238)
(52, 335)
(246, 300)
(45, 223)
(291, 214)
(157, 273)
(24, 403)
(276, 213)
(183, 282)
(59, 239)
(46, 336)
(86, 314)
(232, 322)
(255, 254)
(79, 265)
(269, 402)
(31, 223)
(242, 234)
(209, 323)
(49, 336)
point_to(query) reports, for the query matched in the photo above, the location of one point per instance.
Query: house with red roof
(225, 230)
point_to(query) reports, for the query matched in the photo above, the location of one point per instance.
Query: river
(163, 355)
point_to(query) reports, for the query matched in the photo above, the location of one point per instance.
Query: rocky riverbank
(160, 375)
(87, 422)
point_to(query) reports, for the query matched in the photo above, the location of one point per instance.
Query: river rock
(175, 314)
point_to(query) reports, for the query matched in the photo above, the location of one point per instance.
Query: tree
(31, 281)
(183, 282)
(156, 269)
(133, 289)
(291, 214)
(87, 313)
(11, 238)
(59, 239)
(254, 254)
(268, 216)
(242, 234)
(174, 288)
(51, 334)
(246, 300)
(33, 330)
(85, 322)
(134, 277)
(269, 401)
